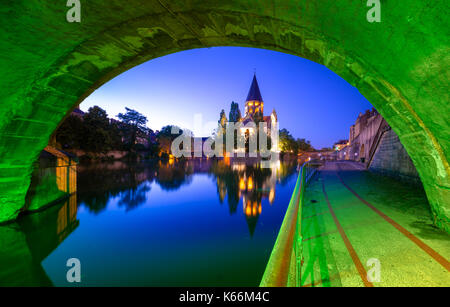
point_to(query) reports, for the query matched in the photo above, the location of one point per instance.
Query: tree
(70, 133)
(133, 118)
(166, 131)
(304, 145)
(286, 141)
(92, 133)
(135, 123)
(97, 134)
(222, 120)
(97, 117)
(221, 130)
(165, 138)
(235, 113)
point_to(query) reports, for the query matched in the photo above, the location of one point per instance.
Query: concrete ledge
(282, 258)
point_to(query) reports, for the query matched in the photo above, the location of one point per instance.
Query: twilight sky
(311, 101)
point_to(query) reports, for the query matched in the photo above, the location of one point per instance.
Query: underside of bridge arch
(401, 65)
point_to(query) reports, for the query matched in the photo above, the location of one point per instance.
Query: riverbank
(110, 156)
(129, 156)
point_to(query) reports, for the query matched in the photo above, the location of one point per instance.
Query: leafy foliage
(95, 132)
(70, 133)
(135, 126)
(289, 144)
(92, 133)
(165, 138)
(235, 114)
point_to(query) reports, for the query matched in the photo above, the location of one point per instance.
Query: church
(254, 109)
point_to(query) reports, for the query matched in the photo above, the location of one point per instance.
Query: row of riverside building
(374, 143)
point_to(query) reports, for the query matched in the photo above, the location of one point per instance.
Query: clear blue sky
(311, 101)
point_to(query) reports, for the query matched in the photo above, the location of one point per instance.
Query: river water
(195, 223)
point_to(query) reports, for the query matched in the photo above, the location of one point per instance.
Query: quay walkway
(360, 228)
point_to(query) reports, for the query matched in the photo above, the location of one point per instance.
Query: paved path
(354, 219)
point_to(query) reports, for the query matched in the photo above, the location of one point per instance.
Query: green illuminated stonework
(48, 65)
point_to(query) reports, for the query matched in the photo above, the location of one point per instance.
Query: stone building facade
(362, 135)
(374, 143)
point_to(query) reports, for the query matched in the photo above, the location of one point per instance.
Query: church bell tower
(254, 102)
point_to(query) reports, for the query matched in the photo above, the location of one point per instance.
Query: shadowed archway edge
(399, 66)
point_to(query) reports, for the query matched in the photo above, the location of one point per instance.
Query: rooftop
(254, 92)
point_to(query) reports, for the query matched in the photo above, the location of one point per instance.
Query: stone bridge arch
(49, 65)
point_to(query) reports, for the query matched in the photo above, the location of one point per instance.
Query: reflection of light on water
(226, 159)
(273, 165)
(240, 167)
(252, 192)
(67, 216)
(250, 183)
(251, 208)
(242, 184)
(247, 207)
(271, 195)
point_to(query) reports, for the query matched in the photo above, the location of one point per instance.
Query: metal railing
(384, 126)
(284, 266)
(309, 170)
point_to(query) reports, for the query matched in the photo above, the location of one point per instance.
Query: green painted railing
(285, 262)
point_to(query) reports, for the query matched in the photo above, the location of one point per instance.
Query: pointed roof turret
(254, 93)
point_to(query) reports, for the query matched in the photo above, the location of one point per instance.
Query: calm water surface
(197, 223)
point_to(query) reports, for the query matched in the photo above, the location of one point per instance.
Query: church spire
(254, 93)
(254, 103)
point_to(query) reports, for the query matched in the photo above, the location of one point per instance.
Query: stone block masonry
(392, 159)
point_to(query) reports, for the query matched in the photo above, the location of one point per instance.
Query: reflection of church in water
(251, 184)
